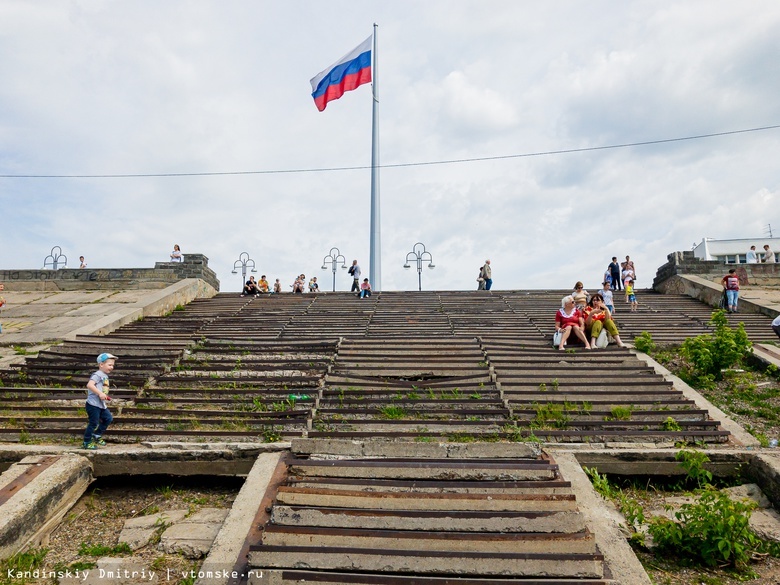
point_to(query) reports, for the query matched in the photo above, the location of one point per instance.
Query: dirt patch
(663, 571)
(98, 518)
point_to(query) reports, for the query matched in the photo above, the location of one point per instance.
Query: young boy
(97, 396)
(606, 294)
(262, 284)
(630, 294)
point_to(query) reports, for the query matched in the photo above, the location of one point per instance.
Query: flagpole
(375, 260)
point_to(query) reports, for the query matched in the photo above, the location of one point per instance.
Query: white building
(733, 251)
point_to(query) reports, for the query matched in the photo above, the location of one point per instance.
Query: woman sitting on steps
(568, 319)
(598, 318)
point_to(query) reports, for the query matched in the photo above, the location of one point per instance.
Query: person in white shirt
(751, 257)
(176, 255)
(769, 255)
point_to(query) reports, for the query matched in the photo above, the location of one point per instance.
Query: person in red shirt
(569, 319)
(730, 283)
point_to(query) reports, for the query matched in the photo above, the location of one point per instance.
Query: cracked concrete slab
(138, 532)
(194, 536)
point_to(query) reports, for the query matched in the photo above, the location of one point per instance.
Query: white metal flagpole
(375, 260)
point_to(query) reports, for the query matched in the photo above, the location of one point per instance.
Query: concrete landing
(40, 317)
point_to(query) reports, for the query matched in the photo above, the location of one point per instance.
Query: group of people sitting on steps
(588, 317)
(300, 284)
(254, 288)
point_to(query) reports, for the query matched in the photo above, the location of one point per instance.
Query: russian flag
(346, 74)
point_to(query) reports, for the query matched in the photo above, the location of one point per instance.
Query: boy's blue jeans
(99, 419)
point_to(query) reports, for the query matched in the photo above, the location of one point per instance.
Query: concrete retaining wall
(152, 305)
(161, 276)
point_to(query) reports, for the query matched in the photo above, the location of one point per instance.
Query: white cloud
(90, 87)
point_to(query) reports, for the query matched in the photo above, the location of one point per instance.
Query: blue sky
(144, 87)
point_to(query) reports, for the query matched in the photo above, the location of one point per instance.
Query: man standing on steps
(614, 272)
(487, 274)
(354, 270)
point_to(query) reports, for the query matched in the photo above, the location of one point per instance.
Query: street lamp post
(56, 258)
(419, 254)
(334, 257)
(244, 261)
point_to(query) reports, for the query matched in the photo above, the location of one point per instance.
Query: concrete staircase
(377, 513)
(459, 366)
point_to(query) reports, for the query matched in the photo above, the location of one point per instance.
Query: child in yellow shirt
(631, 295)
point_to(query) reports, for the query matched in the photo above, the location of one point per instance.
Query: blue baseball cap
(105, 356)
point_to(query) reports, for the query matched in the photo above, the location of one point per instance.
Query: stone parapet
(684, 263)
(161, 276)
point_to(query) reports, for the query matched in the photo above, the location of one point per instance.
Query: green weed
(620, 413)
(392, 412)
(20, 563)
(693, 463)
(670, 425)
(102, 550)
(271, 435)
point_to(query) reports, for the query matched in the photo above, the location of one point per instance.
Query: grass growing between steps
(721, 367)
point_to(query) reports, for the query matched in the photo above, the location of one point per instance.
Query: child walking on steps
(97, 395)
(631, 295)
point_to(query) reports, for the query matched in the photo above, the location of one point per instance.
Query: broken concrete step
(428, 562)
(593, 395)
(598, 405)
(35, 494)
(417, 408)
(382, 380)
(417, 450)
(452, 541)
(317, 497)
(466, 521)
(554, 487)
(409, 404)
(601, 417)
(422, 426)
(449, 470)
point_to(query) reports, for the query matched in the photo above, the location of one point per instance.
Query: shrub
(714, 530)
(708, 355)
(644, 342)
(693, 463)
